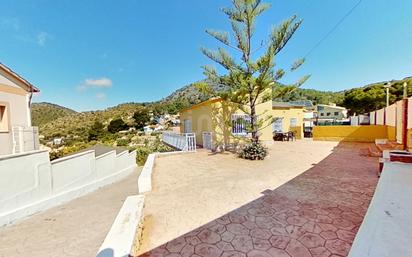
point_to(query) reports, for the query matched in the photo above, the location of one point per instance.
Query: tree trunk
(255, 137)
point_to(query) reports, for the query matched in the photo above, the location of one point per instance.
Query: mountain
(78, 123)
(43, 113)
(191, 95)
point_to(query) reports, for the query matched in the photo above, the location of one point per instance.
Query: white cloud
(101, 96)
(98, 83)
(42, 38)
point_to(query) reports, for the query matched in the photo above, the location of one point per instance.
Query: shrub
(142, 152)
(122, 142)
(141, 155)
(96, 131)
(253, 151)
(117, 125)
(141, 118)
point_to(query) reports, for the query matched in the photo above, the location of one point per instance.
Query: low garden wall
(31, 183)
(350, 133)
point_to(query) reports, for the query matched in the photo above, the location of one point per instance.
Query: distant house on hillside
(16, 132)
(153, 128)
(331, 112)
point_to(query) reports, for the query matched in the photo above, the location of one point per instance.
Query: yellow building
(218, 123)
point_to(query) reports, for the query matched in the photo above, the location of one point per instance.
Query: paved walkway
(317, 214)
(192, 189)
(76, 228)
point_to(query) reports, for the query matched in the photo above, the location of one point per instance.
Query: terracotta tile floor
(316, 214)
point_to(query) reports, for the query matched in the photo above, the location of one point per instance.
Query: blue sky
(97, 53)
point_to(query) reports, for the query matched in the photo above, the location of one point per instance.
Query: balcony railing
(25, 139)
(184, 142)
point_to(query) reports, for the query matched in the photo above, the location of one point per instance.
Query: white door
(207, 140)
(187, 126)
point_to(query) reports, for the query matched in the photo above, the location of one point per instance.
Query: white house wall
(18, 114)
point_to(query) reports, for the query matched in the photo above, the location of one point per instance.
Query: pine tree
(248, 79)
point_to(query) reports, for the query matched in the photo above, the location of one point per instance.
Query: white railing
(25, 139)
(184, 142)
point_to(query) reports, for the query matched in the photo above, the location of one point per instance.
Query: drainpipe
(405, 117)
(29, 107)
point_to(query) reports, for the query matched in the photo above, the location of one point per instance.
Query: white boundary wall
(391, 112)
(31, 183)
(386, 229)
(380, 116)
(125, 230)
(372, 118)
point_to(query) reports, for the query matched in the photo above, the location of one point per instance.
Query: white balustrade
(25, 139)
(184, 142)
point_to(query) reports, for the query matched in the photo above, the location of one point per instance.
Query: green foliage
(141, 118)
(248, 82)
(253, 151)
(142, 152)
(122, 142)
(55, 155)
(316, 96)
(117, 125)
(72, 148)
(141, 155)
(373, 97)
(96, 131)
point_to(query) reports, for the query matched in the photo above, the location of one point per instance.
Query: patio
(212, 205)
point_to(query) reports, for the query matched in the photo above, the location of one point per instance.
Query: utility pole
(405, 90)
(387, 86)
(405, 117)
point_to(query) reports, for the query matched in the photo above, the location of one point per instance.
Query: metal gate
(207, 140)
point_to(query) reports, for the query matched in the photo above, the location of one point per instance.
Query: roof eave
(30, 87)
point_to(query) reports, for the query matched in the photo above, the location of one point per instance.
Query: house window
(240, 123)
(293, 122)
(322, 114)
(187, 126)
(328, 114)
(336, 113)
(277, 125)
(4, 126)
